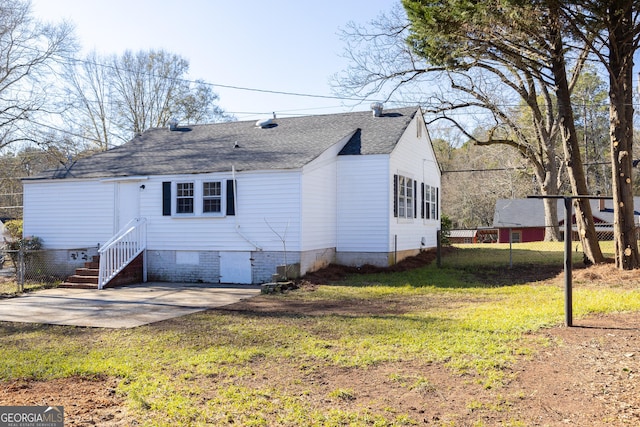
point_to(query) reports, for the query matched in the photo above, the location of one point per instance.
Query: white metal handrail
(121, 249)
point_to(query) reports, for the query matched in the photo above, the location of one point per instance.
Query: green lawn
(216, 367)
(520, 253)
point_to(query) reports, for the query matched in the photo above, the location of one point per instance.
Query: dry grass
(606, 275)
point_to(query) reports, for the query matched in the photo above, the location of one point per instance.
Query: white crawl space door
(235, 267)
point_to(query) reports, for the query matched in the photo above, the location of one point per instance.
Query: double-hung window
(198, 197)
(431, 202)
(405, 197)
(185, 198)
(212, 197)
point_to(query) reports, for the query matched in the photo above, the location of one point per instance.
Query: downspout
(235, 217)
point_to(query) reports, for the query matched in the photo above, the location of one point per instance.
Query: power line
(228, 86)
(282, 92)
(485, 170)
(72, 60)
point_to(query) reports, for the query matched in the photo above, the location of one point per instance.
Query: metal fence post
(20, 270)
(439, 248)
(568, 292)
(511, 247)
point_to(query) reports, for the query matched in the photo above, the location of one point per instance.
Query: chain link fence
(22, 270)
(522, 246)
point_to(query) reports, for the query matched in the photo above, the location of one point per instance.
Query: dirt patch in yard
(86, 401)
(588, 375)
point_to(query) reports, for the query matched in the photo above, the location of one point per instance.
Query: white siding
(68, 214)
(319, 200)
(265, 201)
(414, 157)
(363, 203)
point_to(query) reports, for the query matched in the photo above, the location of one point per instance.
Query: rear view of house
(229, 202)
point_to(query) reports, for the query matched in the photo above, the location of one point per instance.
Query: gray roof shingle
(290, 144)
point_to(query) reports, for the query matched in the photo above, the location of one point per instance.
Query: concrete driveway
(123, 307)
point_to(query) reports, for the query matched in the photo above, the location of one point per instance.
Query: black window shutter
(231, 199)
(395, 196)
(415, 198)
(437, 203)
(166, 198)
(422, 199)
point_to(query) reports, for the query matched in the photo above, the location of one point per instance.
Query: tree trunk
(621, 50)
(582, 207)
(551, 229)
(548, 176)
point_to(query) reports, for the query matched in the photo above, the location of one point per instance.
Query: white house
(229, 202)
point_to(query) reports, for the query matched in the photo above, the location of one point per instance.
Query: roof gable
(287, 143)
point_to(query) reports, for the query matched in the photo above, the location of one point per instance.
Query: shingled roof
(288, 143)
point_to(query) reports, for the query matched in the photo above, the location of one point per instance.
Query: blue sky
(281, 45)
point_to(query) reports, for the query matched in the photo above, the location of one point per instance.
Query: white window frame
(405, 197)
(430, 202)
(198, 198)
(209, 197)
(179, 195)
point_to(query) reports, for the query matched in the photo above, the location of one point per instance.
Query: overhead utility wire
(235, 87)
(287, 93)
(485, 170)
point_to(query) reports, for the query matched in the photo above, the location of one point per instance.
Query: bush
(16, 241)
(14, 228)
(30, 243)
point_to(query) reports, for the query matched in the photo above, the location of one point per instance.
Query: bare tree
(88, 94)
(475, 177)
(30, 52)
(119, 96)
(18, 164)
(144, 85)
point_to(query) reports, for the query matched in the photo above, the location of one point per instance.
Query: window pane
(211, 189)
(185, 205)
(184, 197)
(212, 197)
(211, 205)
(405, 196)
(185, 189)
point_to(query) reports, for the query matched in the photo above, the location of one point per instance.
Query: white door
(235, 267)
(127, 203)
